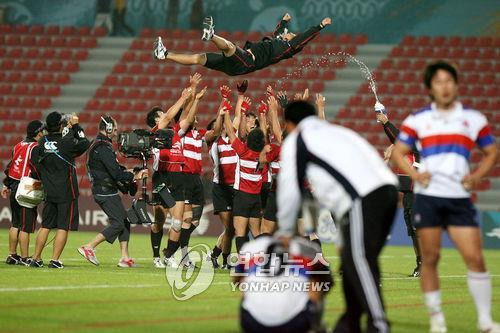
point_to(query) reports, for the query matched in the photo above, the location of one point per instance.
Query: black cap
(34, 127)
(53, 121)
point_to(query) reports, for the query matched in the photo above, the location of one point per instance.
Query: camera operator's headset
(110, 126)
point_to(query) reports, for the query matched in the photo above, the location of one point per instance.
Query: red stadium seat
(136, 68)
(65, 54)
(52, 30)
(47, 77)
(119, 68)
(39, 65)
(48, 54)
(93, 104)
(408, 40)
(108, 105)
(74, 42)
(128, 56)
(15, 53)
(22, 65)
(143, 81)
(149, 94)
(454, 41)
(43, 103)
(20, 89)
(438, 41)
(133, 94)
(59, 42)
(137, 44)
(469, 41)
(127, 81)
(37, 90)
(37, 29)
(89, 42)
(13, 40)
(81, 55)
(160, 81)
(41, 41)
(102, 92)
(147, 33)
(71, 66)
(117, 93)
(62, 78)
(99, 32)
(423, 41)
(55, 66)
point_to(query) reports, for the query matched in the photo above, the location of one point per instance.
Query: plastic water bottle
(380, 108)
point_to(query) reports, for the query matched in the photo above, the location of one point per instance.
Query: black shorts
(194, 194)
(174, 182)
(271, 207)
(431, 211)
(247, 205)
(264, 194)
(23, 218)
(222, 196)
(241, 62)
(61, 215)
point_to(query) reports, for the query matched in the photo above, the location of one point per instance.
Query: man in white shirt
(351, 180)
(445, 133)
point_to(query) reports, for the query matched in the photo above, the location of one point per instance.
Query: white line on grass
(110, 286)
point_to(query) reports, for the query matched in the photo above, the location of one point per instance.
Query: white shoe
(126, 263)
(159, 50)
(437, 323)
(208, 28)
(493, 328)
(157, 263)
(89, 254)
(170, 262)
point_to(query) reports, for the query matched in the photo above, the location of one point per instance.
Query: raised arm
(320, 105)
(282, 25)
(217, 130)
(273, 114)
(167, 117)
(262, 117)
(194, 81)
(228, 125)
(299, 41)
(186, 123)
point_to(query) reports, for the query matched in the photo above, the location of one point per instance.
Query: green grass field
(82, 297)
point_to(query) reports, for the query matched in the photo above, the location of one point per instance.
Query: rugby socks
(433, 302)
(191, 228)
(480, 289)
(156, 242)
(216, 252)
(240, 241)
(172, 246)
(225, 256)
(184, 241)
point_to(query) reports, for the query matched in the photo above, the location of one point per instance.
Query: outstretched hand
(195, 79)
(201, 93)
(225, 91)
(326, 21)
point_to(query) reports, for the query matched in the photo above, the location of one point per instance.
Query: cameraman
(23, 219)
(107, 177)
(168, 165)
(54, 159)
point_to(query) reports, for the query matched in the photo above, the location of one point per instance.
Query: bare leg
(468, 242)
(267, 227)
(41, 239)
(59, 243)
(188, 59)
(254, 224)
(13, 232)
(430, 244)
(224, 45)
(24, 243)
(177, 214)
(124, 249)
(97, 240)
(227, 238)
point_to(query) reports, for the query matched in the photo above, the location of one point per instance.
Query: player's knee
(201, 59)
(475, 262)
(430, 258)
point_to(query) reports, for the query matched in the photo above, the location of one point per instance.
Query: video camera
(140, 142)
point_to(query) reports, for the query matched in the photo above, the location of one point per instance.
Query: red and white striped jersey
(172, 159)
(192, 144)
(248, 177)
(225, 160)
(273, 158)
(19, 166)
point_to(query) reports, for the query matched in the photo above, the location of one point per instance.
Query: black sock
(184, 237)
(317, 241)
(216, 252)
(191, 228)
(240, 241)
(224, 258)
(172, 246)
(156, 242)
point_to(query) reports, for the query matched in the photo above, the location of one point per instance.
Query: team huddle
(266, 165)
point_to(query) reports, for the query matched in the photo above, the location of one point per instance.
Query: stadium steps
(91, 75)
(348, 79)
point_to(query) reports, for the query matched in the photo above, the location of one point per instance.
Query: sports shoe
(12, 259)
(416, 272)
(89, 254)
(159, 50)
(226, 266)
(208, 28)
(36, 263)
(25, 261)
(493, 328)
(437, 323)
(214, 261)
(56, 264)
(170, 262)
(157, 263)
(126, 263)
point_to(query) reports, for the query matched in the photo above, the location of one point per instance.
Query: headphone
(109, 126)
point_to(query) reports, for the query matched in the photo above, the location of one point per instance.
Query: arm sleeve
(408, 133)
(299, 41)
(34, 166)
(75, 141)
(282, 25)
(239, 147)
(288, 195)
(485, 137)
(115, 170)
(391, 131)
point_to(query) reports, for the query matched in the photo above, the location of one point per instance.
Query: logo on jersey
(50, 147)
(65, 131)
(187, 282)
